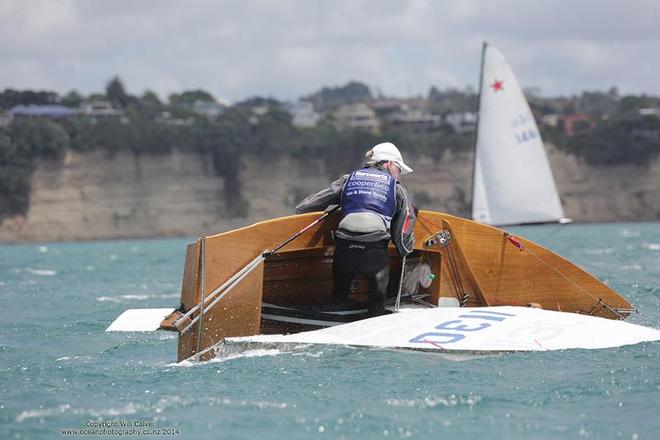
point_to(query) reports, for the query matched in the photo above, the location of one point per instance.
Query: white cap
(388, 151)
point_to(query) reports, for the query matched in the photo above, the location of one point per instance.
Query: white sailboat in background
(512, 182)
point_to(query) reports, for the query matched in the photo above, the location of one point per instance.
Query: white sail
(513, 183)
(478, 329)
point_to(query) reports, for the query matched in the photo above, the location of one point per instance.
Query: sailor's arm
(403, 223)
(324, 198)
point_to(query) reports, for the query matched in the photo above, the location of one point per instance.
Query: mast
(476, 131)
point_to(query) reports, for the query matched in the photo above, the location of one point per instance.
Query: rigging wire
(443, 241)
(580, 288)
(455, 273)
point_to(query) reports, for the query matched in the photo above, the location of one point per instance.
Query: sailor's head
(389, 155)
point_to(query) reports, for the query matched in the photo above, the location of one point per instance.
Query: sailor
(375, 208)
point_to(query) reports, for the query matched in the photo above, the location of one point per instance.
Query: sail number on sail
(526, 135)
(527, 128)
(457, 329)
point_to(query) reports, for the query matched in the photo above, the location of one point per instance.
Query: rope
(423, 303)
(398, 296)
(454, 272)
(443, 241)
(459, 281)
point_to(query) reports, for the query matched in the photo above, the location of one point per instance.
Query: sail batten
(513, 183)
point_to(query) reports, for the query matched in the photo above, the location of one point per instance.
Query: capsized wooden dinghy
(235, 285)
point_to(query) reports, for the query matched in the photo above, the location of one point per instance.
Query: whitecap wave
(41, 272)
(40, 413)
(227, 356)
(627, 233)
(72, 358)
(432, 402)
(634, 266)
(134, 297)
(261, 404)
(129, 408)
(259, 352)
(122, 298)
(651, 246)
(600, 251)
(311, 354)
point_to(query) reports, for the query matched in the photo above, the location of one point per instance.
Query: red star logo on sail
(497, 85)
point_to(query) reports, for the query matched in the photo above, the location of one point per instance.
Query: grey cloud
(290, 48)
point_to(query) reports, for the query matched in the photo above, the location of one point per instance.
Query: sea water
(62, 376)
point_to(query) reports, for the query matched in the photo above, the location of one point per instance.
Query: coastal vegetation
(614, 129)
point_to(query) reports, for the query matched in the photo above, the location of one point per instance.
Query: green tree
(330, 97)
(189, 97)
(224, 143)
(150, 97)
(629, 105)
(15, 176)
(10, 98)
(72, 99)
(40, 138)
(116, 93)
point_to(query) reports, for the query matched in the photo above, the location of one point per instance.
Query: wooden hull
(479, 266)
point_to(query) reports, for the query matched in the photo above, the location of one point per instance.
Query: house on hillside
(649, 112)
(462, 122)
(389, 106)
(416, 121)
(210, 109)
(550, 120)
(576, 125)
(53, 111)
(356, 116)
(166, 118)
(5, 119)
(97, 110)
(646, 127)
(302, 114)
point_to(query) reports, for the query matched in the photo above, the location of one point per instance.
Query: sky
(290, 48)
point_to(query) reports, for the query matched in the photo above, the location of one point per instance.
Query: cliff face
(96, 195)
(606, 193)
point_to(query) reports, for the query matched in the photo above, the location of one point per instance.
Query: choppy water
(59, 370)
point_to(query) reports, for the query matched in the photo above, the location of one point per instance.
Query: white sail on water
(490, 329)
(512, 183)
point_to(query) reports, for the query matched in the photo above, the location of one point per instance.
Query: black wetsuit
(368, 259)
